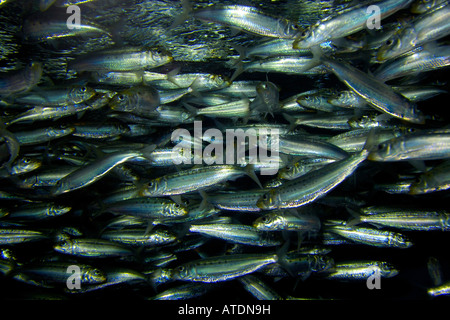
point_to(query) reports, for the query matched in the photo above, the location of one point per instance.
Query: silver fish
(245, 18)
(345, 22)
(223, 268)
(237, 233)
(315, 184)
(420, 145)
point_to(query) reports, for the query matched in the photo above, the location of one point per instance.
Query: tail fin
(146, 152)
(193, 88)
(371, 141)
(242, 54)
(187, 9)
(281, 254)
(356, 218)
(292, 121)
(239, 69)
(192, 110)
(204, 203)
(250, 171)
(318, 57)
(171, 76)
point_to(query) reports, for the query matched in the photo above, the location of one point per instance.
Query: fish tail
(187, 10)
(250, 171)
(171, 76)
(291, 120)
(204, 204)
(239, 69)
(281, 255)
(371, 141)
(192, 110)
(355, 219)
(242, 54)
(147, 151)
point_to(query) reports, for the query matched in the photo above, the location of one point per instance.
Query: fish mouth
(260, 204)
(374, 157)
(381, 55)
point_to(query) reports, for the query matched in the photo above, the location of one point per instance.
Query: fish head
(267, 200)
(7, 254)
(413, 115)
(343, 98)
(57, 210)
(65, 246)
(219, 81)
(322, 263)
(289, 171)
(424, 184)
(381, 153)
(26, 164)
(160, 56)
(176, 210)
(302, 38)
(269, 222)
(152, 187)
(400, 241)
(306, 100)
(401, 42)
(123, 101)
(93, 276)
(161, 276)
(81, 93)
(182, 272)
(387, 270)
(61, 131)
(365, 121)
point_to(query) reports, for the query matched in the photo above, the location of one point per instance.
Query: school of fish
(107, 190)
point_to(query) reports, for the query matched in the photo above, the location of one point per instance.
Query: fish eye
(97, 273)
(381, 146)
(265, 219)
(120, 97)
(180, 268)
(389, 42)
(83, 89)
(177, 206)
(265, 196)
(288, 168)
(150, 184)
